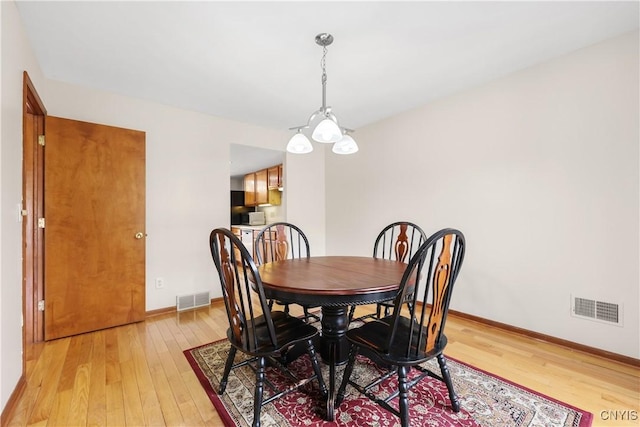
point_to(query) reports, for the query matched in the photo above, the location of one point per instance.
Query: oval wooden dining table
(333, 283)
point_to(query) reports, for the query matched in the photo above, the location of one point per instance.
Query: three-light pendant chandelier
(326, 125)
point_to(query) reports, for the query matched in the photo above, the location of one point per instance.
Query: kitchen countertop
(249, 227)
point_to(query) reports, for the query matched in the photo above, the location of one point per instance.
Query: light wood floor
(137, 375)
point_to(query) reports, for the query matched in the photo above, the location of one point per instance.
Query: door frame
(33, 119)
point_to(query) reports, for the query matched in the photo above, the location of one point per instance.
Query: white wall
(17, 56)
(304, 183)
(187, 180)
(540, 171)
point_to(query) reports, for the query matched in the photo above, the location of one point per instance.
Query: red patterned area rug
(486, 400)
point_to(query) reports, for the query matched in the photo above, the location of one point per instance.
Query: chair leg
(227, 369)
(379, 311)
(286, 308)
(307, 315)
(403, 398)
(353, 352)
(455, 403)
(257, 399)
(316, 368)
(352, 310)
(270, 304)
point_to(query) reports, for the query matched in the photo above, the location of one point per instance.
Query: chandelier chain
(323, 64)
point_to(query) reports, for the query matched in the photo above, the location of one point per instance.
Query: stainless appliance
(256, 218)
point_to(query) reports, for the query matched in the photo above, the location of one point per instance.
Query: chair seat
(375, 337)
(289, 330)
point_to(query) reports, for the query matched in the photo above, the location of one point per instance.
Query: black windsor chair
(397, 241)
(279, 241)
(254, 329)
(413, 334)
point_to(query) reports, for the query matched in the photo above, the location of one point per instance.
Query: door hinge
(41, 140)
(41, 305)
(40, 222)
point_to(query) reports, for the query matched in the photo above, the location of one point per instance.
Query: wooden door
(94, 208)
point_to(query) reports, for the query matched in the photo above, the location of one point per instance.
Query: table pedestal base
(334, 348)
(335, 323)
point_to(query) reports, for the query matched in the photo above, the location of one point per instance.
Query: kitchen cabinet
(250, 189)
(257, 192)
(274, 176)
(262, 189)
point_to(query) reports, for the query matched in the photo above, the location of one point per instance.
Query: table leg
(334, 329)
(331, 398)
(334, 348)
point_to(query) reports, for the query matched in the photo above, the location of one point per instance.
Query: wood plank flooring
(137, 375)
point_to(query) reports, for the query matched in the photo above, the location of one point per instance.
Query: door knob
(139, 235)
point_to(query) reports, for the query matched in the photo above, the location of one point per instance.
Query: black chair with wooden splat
(413, 334)
(397, 241)
(279, 241)
(254, 329)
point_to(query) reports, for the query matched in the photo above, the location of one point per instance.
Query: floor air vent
(185, 302)
(606, 312)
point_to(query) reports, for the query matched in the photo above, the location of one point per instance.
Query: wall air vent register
(606, 312)
(185, 302)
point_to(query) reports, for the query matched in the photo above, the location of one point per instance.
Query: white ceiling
(257, 62)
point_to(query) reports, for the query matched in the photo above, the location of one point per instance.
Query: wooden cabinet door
(94, 205)
(250, 189)
(273, 177)
(262, 191)
(261, 187)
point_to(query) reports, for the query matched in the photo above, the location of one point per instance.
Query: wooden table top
(332, 279)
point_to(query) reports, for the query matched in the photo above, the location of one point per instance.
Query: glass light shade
(346, 145)
(299, 144)
(327, 131)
